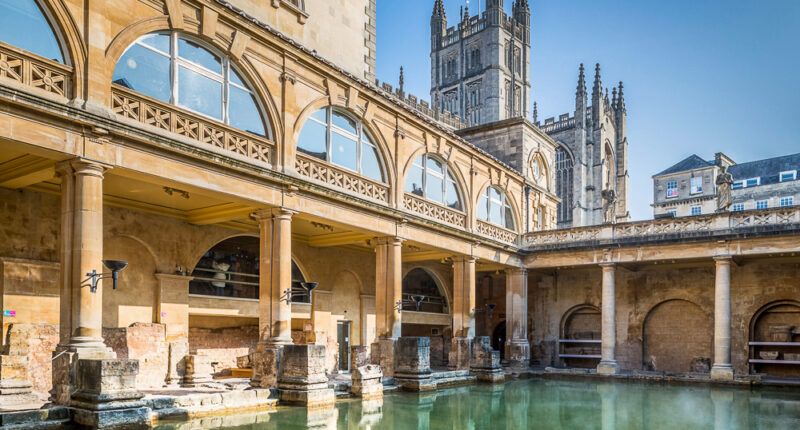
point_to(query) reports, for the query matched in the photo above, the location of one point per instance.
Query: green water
(544, 404)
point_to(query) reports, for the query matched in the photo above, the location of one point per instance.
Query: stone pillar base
(18, 390)
(198, 370)
(301, 376)
(608, 368)
(518, 353)
(266, 360)
(486, 361)
(366, 382)
(106, 395)
(722, 372)
(65, 368)
(412, 363)
(382, 354)
(459, 356)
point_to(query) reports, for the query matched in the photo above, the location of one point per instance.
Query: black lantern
(115, 266)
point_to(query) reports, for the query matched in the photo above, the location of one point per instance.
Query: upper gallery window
(696, 185)
(333, 136)
(23, 24)
(495, 208)
(431, 178)
(174, 69)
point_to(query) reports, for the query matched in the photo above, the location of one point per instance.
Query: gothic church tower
(480, 68)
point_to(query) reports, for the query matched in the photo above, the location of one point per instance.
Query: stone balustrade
(331, 175)
(434, 211)
(706, 226)
(33, 71)
(495, 232)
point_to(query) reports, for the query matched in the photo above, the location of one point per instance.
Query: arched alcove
(579, 342)
(677, 337)
(419, 282)
(775, 340)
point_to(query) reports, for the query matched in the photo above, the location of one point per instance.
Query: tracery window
(564, 184)
(495, 208)
(332, 136)
(431, 178)
(23, 24)
(175, 69)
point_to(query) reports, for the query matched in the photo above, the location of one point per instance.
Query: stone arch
(538, 156)
(437, 279)
(677, 336)
(776, 321)
(581, 322)
(136, 297)
(264, 100)
(466, 199)
(380, 140)
(513, 203)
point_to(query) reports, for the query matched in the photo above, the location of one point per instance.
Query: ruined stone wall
(145, 342)
(223, 345)
(37, 342)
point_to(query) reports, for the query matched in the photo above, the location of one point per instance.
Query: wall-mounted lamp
(489, 309)
(309, 287)
(115, 266)
(415, 300)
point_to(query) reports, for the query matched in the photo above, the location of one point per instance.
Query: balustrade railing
(434, 211)
(34, 71)
(331, 175)
(495, 232)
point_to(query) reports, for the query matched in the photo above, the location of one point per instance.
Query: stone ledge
(198, 405)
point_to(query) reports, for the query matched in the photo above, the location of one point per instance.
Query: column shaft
(517, 346)
(722, 368)
(275, 268)
(388, 286)
(463, 297)
(608, 362)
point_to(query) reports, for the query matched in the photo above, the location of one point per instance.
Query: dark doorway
(343, 337)
(499, 339)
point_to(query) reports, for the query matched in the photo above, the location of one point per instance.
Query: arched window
(431, 178)
(333, 136)
(564, 184)
(175, 69)
(23, 24)
(419, 282)
(538, 170)
(495, 208)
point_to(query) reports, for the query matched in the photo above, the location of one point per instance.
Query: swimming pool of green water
(540, 404)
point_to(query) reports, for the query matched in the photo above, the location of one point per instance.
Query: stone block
(359, 356)
(15, 388)
(485, 361)
(382, 354)
(518, 353)
(265, 362)
(198, 370)
(176, 362)
(412, 364)
(243, 362)
(366, 382)
(301, 376)
(459, 355)
(106, 395)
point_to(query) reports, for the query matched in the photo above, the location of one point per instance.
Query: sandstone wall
(37, 342)
(223, 345)
(145, 342)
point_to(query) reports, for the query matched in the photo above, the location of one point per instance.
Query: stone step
(455, 381)
(449, 374)
(390, 388)
(39, 418)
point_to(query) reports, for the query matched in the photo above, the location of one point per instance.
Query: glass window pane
(419, 161)
(433, 188)
(435, 166)
(496, 213)
(370, 166)
(199, 93)
(414, 180)
(482, 212)
(198, 55)
(22, 24)
(509, 219)
(234, 78)
(495, 194)
(343, 151)
(321, 115)
(312, 140)
(144, 71)
(452, 196)
(157, 41)
(344, 123)
(243, 112)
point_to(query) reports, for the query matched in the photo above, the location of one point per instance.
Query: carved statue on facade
(609, 205)
(724, 183)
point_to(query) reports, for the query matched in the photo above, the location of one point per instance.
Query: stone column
(463, 314)
(388, 291)
(722, 368)
(608, 363)
(518, 350)
(275, 278)
(81, 310)
(173, 312)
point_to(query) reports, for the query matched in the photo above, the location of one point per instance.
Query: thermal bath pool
(546, 404)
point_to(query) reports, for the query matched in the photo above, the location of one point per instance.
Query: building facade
(689, 187)
(480, 68)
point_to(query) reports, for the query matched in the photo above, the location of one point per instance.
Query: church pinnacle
(438, 9)
(581, 81)
(597, 89)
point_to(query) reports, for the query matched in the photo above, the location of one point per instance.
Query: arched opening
(23, 24)
(431, 178)
(580, 340)
(499, 339)
(334, 136)
(419, 283)
(677, 337)
(181, 70)
(775, 340)
(230, 269)
(564, 185)
(538, 171)
(494, 207)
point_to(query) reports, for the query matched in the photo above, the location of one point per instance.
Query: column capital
(517, 271)
(86, 167)
(608, 265)
(388, 240)
(723, 259)
(270, 213)
(463, 258)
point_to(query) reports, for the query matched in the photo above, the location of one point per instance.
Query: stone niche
(301, 376)
(412, 363)
(485, 362)
(106, 395)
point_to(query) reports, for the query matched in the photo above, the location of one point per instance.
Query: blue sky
(700, 76)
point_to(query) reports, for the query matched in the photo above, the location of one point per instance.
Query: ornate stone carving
(148, 111)
(724, 183)
(433, 210)
(495, 232)
(332, 175)
(49, 76)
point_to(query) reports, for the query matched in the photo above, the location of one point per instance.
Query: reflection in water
(545, 404)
